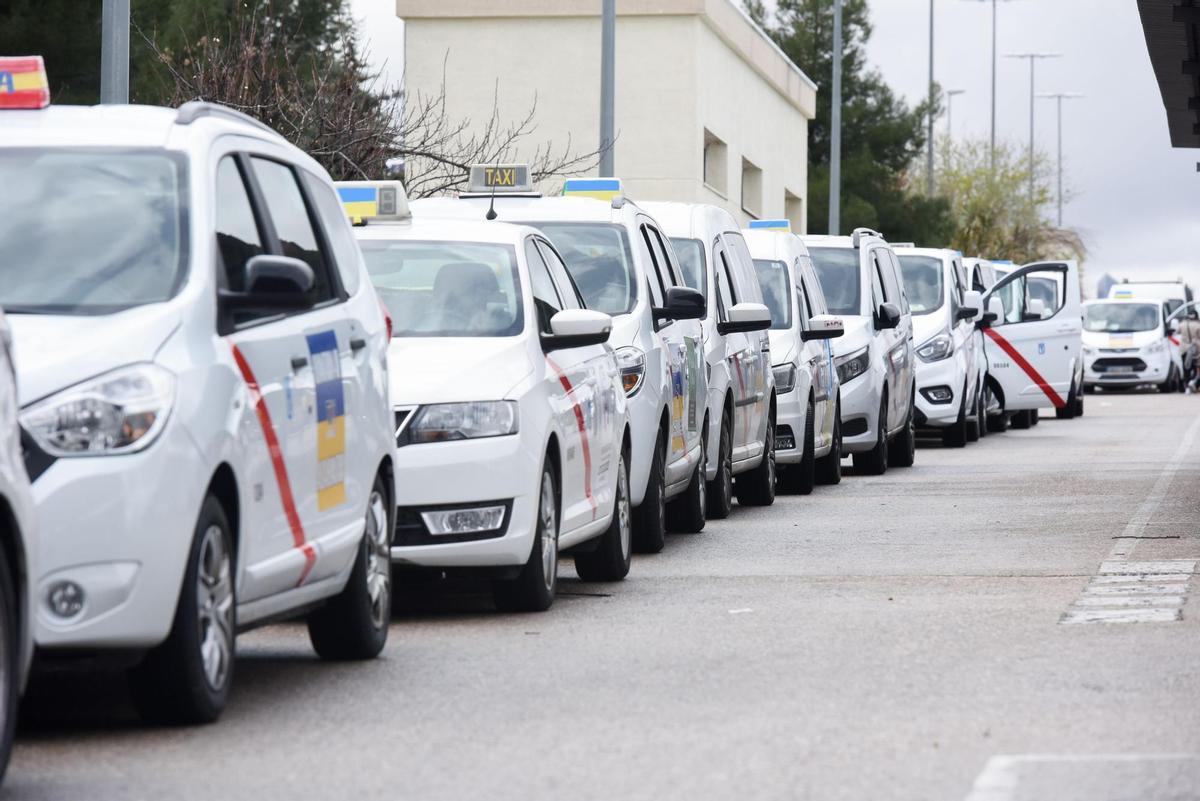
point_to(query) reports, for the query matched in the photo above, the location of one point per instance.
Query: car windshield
(1121, 318)
(90, 231)
(923, 282)
(776, 290)
(598, 258)
(838, 270)
(691, 261)
(446, 289)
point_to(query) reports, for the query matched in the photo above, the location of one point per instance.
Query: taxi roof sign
(373, 200)
(499, 179)
(23, 83)
(771, 225)
(598, 188)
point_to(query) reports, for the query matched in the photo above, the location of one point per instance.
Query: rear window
(600, 262)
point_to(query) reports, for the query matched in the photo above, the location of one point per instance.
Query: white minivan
(741, 385)
(1127, 343)
(949, 396)
(624, 266)
(861, 279)
(808, 429)
(203, 389)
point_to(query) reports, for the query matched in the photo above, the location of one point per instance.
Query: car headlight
(119, 412)
(785, 378)
(939, 347)
(441, 422)
(852, 365)
(632, 362)
(1155, 347)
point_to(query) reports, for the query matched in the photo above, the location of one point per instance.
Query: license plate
(1119, 369)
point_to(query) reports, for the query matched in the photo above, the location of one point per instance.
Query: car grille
(1106, 363)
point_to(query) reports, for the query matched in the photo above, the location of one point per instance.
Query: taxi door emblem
(1041, 348)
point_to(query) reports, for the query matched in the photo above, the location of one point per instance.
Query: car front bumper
(790, 411)
(1145, 368)
(860, 407)
(931, 375)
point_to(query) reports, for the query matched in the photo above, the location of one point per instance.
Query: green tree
(881, 134)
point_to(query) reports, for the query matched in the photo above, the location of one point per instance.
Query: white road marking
(998, 781)
(1144, 589)
(1126, 568)
(1150, 614)
(1130, 600)
(1120, 579)
(740, 611)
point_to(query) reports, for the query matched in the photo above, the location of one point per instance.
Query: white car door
(1035, 357)
(817, 354)
(756, 352)
(737, 356)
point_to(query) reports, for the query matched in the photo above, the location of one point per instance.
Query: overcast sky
(1135, 196)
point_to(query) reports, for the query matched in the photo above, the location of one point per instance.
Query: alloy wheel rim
(549, 526)
(214, 602)
(379, 573)
(726, 468)
(702, 473)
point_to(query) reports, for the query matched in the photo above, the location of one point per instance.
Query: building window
(715, 170)
(793, 209)
(751, 189)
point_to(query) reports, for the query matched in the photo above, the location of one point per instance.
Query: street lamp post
(114, 52)
(993, 150)
(929, 144)
(950, 95)
(1059, 97)
(1033, 58)
(608, 37)
(835, 126)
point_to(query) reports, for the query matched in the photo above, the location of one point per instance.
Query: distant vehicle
(741, 385)
(1175, 293)
(1034, 353)
(861, 280)
(808, 432)
(1127, 343)
(949, 395)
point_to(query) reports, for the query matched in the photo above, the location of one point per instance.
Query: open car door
(1034, 350)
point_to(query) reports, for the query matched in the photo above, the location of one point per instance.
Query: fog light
(938, 394)
(785, 440)
(65, 599)
(463, 521)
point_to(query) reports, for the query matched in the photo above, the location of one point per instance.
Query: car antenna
(491, 212)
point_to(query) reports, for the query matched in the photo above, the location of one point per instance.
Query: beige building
(708, 109)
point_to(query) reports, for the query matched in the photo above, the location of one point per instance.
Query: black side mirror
(887, 316)
(967, 312)
(273, 282)
(682, 303)
(985, 320)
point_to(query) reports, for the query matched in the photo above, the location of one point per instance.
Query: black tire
(1168, 384)
(981, 418)
(955, 436)
(534, 587)
(1067, 412)
(1079, 405)
(173, 684)
(975, 426)
(688, 513)
(996, 423)
(650, 517)
(798, 479)
(720, 489)
(353, 624)
(902, 451)
(1035, 417)
(757, 487)
(610, 560)
(829, 467)
(875, 461)
(1089, 389)
(1022, 420)
(10, 660)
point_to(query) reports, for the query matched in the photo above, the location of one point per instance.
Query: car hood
(446, 370)
(926, 326)
(53, 352)
(784, 344)
(857, 335)
(1132, 339)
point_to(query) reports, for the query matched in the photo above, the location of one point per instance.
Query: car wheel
(534, 587)
(902, 452)
(1022, 420)
(610, 560)
(875, 461)
(720, 489)
(974, 426)
(981, 417)
(757, 487)
(1079, 405)
(1167, 385)
(354, 623)
(955, 435)
(10, 647)
(996, 423)
(687, 513)
(799, 478)
(1067, 412)
(650, 518)
(829, 467)
(186, 679)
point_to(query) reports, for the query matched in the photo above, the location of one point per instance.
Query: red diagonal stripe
(579, 423)
(1029, 369)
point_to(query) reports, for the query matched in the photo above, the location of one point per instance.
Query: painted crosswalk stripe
(1145, 589)
(1153, 614)
(1140, 577)
(1130, 600)
(1118, 567)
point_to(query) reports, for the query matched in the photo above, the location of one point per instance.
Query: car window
(599, 258)
(776, 291)
(653, 274)
(668, 270)
(337, 230)
(446, 288)
(977, 279)
(894, 283)
(238, 237)
(878, 295)
(562, 279)
(1120, 318)
(742, 269)
(726, 293)
(923, 276)
(691, 262)
(812, 288)
(293, 224)
(838, 271)
(546, 301)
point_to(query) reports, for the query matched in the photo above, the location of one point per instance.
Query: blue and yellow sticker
(331, 419)
(359, 201)
(598, 188)
(771, 225)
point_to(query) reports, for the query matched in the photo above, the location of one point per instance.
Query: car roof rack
(859, 233)
(194, 110)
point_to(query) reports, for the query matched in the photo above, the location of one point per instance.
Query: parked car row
(233, 392)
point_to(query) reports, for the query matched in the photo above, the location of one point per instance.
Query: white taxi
(741, 385)
(510, 415)
(1127, 343)
(623, 266)
(808, 432)
(203, 393)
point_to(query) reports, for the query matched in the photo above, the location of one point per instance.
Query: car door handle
(299, 362)
(357, 344)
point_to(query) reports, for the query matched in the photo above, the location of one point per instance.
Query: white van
(861, 280)
(949, 394)
(1174, 294)
(741, 385)
(1127, 343)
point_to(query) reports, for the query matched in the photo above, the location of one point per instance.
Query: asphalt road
(891, 638)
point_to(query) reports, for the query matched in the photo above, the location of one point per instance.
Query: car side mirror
(682, 303)
(1035, 310)
(995, 310)
(273, 282)
(823, 326)
(745, 317)
(972, 303)
(887, 316)
(577, 328)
